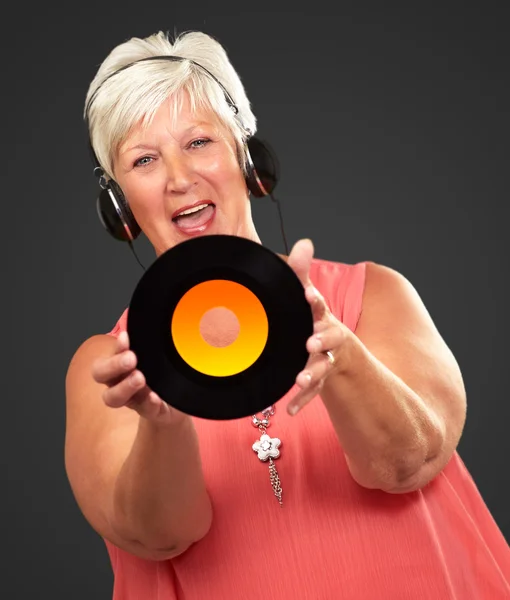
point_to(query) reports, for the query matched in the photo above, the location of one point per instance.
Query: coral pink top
(332, 540)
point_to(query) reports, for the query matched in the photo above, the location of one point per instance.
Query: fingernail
(128, 360)
(293, 410)
(135, 378)
(316, 343)
(308, 378)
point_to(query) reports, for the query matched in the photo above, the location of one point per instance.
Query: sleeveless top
(333, 539)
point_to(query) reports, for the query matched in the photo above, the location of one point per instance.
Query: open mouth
(195, 217)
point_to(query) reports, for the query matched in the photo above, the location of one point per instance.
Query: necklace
(267, 449)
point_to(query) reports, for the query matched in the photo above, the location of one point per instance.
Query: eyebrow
(149, 147)
(137, 147)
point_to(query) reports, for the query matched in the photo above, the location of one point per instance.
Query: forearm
(388, 433)
(159, 499)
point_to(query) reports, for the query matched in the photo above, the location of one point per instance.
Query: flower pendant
(267, 447)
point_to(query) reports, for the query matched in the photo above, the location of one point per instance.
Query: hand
(126, 386)
(328, 337)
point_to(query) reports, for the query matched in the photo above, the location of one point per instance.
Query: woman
(372, 499)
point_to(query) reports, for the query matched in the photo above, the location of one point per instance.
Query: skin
(394, 392)
(178, 165)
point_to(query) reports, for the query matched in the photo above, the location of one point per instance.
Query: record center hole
(219, 327)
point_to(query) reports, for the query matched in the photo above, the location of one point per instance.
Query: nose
(180, 173)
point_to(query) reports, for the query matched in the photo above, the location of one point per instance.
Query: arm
(138, 481)
(397, 400)
(395, 393)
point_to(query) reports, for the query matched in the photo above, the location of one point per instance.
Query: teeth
(192, 210)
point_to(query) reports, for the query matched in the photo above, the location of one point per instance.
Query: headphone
(261, 168)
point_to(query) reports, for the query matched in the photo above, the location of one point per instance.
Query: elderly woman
(371, 499)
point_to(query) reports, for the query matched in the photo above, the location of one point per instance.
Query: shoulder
(97, 345)
(86, 353)
(391, 304)
(383, 284)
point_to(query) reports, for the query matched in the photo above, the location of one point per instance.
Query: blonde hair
(116, 103)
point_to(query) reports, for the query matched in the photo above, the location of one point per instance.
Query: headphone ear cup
(262, 168)
(115, 214)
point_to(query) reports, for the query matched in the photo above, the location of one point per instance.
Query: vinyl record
(254, 371)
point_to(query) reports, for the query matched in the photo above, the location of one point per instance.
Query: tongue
(196, 219)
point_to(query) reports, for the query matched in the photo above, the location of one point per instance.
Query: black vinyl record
(275, 323)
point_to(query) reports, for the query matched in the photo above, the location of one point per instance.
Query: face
(181, 178)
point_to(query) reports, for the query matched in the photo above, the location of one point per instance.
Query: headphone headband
(170, 58)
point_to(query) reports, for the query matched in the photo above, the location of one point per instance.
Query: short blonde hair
(134, 94)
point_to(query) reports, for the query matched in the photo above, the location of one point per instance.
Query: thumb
(300, 260)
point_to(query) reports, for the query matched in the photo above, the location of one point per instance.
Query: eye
(142, 162)
(200, 143)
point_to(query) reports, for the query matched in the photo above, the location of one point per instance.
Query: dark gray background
(392, 130)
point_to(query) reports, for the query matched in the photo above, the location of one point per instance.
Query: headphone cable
(282, 228)
(130, 243)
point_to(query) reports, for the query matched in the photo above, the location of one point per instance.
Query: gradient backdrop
(392, 129)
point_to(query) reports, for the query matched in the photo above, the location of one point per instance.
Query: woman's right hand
(126, 385)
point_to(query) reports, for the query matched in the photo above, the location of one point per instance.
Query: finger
(317, 302)
(120, 394)
(149, 405)
(302, 398)
(330, 338)
(122, 341)
(321, 325)
(109, 370)
(314, 372)
(300, 260)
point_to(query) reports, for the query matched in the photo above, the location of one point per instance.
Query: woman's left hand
(329, 335)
